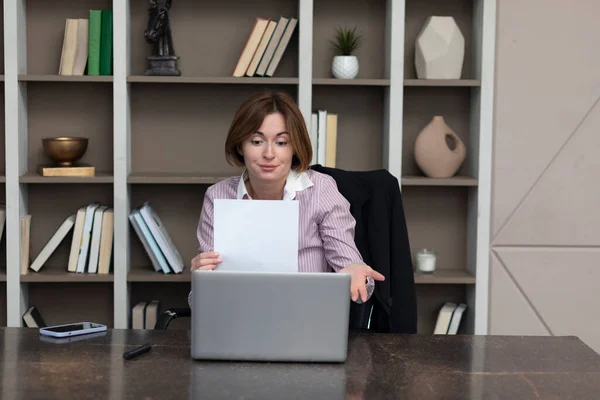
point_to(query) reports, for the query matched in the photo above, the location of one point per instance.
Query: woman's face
(268, 152)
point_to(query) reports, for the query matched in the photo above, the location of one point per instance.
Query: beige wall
(545, 261)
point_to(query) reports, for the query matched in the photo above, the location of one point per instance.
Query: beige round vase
(439, 152)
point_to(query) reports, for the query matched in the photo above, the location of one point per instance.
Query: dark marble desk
(378, 366)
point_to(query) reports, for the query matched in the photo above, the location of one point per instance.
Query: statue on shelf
(163, 60)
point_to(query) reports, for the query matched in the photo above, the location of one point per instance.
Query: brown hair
(249, 117)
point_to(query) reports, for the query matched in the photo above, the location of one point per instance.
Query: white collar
(295, 182)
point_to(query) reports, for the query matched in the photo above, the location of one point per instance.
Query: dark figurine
(163, 60)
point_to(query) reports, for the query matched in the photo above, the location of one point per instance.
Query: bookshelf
(154, 138)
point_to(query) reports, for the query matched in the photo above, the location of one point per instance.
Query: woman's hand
(206, 261)
(358, 280)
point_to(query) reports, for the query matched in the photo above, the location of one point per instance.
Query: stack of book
(91, 242)
(88, 45)
(323, 132)
(156, 240)
(449, 318)
(145, 314)
(265, 46)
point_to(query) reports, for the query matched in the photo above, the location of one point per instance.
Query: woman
(268, 137)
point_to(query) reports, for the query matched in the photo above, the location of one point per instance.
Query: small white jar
(426, 260)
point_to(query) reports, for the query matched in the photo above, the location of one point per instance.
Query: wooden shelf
(445, 277)
(2, 178)
(3, 276)
(425, 181)
(212, 80)
(351, 82)
(443, 82)
(1, 78)
(174, 178)
(149, 275)
(49, 276)
(64, 78)
(33, 177)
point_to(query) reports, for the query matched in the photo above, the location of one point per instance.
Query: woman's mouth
(268, 167)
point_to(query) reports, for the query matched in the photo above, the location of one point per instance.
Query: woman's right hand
(206, 261)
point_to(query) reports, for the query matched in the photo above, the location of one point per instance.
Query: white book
(86, 237)
(53, 243)
(76, 241)
(95, 243)
(148, 242)
(162, 238)
(322, 137)
(444, 317)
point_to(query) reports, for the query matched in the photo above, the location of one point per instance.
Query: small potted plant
(345, 64)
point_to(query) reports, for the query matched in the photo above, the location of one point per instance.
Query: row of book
(265, 46)
(449, 318)
(92, 241)
(87, 47)
(155, 238)
(145, 314)
(323, 132)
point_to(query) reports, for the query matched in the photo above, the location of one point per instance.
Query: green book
(106, 43)
(95, 25)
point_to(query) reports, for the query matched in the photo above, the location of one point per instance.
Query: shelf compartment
(3, 302)
(174, 178)
(208, 37)
(443, 82)
(226, 80)
(445, 277)
(51, 276)
(33, 177)
(46, 27)
(420, 106)
(436, 218)
(178, 128)
(368, 16)
(417, 13)
(178, 207)
(65, 302)
(148, 274)
(351, 82)
(170, 295)
(426, 181)
(49, 206)
(84, 110)
(65, 78)
(360, 124)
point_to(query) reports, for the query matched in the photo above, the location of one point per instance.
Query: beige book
(283, 43)
(151, 314)
(272, 46)
(25, 243)
(138, 315)
(331, 140)
(106, 241)
(67, 57)
(258, 29)
(76, 241)
(258, 54)
(81, 51)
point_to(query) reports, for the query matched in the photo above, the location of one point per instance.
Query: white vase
(439, 49)
(344, 67)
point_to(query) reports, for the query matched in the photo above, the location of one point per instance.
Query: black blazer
(382, 239)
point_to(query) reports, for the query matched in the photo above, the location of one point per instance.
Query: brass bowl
(64, 150)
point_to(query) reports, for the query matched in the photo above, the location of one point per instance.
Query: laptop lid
(268, 316)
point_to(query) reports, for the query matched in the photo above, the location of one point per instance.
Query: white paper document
(256, 235)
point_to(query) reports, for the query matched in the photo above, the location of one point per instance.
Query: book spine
(95, 29)
(106, 43)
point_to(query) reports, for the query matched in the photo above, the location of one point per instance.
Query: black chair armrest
(166, 317)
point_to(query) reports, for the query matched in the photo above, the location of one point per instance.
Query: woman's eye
(256, 142)
(282, 143)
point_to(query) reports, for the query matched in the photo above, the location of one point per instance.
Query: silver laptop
(254, 316)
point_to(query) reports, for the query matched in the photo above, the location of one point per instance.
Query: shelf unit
(154, 138)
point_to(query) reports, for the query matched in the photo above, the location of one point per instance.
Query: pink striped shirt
(326, 237)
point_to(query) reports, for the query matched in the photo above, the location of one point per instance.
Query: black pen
(128, 355)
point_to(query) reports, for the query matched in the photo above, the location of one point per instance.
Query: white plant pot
(344, 67)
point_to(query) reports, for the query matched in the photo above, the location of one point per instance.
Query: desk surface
(378, 366)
